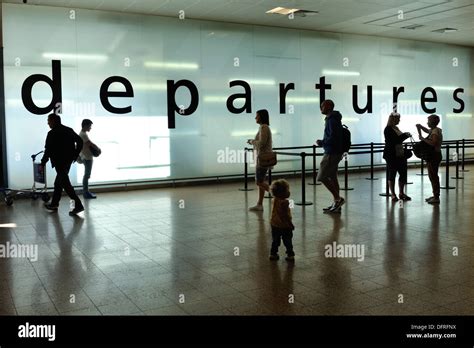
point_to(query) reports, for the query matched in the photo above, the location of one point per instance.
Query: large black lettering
(172, 87)
(247, 107)
(396, 92)
(105, 94)
(425, 99)
(283, 91)
(355, 104)
(459, 100)
(322, 86)
(55, 85)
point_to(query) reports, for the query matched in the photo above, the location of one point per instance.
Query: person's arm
(404, 136)
(47, 150)
(79, 144)
(332, 133)
(419, 126)
(88, 143)
(264, 136)
(433, 141)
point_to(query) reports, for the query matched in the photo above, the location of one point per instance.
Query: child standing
(282, 226)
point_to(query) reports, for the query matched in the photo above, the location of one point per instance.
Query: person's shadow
(72, 268)
(335, 276)
(433, 250)
(394, 260)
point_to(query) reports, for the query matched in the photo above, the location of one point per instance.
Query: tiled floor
(143, 252)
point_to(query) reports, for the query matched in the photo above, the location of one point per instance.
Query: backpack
(346, 139)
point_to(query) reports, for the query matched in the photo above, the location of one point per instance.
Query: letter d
(54, 83)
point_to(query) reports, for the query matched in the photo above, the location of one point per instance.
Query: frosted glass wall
(149, 50)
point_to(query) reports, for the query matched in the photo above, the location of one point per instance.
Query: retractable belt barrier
(358, 149)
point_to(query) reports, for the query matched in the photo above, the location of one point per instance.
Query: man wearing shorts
(332, 144)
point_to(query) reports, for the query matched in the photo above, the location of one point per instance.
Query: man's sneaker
(89, 195)
(256, 208)
(334, 211)
(429, 199)
(290, 258)
(435, 200)
(339, 204)
(51, 207)
(330, 207)
(274, 257)
(76, 210)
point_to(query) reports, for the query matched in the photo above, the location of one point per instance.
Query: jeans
(87, 175)
(62, 182)
(433, 167)
(277, 235)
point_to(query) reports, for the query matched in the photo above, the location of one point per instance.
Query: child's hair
(280, 188)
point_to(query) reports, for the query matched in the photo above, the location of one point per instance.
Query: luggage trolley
(39, 176)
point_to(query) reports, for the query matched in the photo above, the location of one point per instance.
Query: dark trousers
(62, 182)
(277, 235)
(397, 165)
(433, 167)
(87, 175)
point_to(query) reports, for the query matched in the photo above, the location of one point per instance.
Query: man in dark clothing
(63, 146)
(332, 144)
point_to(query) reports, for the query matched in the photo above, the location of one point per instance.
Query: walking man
(62, 146)
(332, 144)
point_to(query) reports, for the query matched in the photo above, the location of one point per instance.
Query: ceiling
(367, 17)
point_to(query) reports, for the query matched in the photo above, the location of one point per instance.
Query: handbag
(267, 159)
(408, 153)
(399, 151)
(95, 150)
(423, 150)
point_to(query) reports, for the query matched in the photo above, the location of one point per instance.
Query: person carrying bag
(266, 158)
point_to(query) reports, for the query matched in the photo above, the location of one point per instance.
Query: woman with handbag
(396, 157)
(434, 139)
(262, 144)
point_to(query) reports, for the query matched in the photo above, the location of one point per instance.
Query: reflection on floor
(196, 250)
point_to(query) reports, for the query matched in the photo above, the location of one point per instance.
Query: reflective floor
(197, 251)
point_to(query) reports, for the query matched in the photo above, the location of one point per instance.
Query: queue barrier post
(371, 163)
(386, 193)
(409, 182)
(447, 187)
(303, 183)
(246, 188)
(463, 155)
(314, 168)
(422, 169)
(457, 177)
(269, 195)
(346, 178)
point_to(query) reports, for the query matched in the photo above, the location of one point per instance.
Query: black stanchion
(269, 195)
(410, 182)
(422, 169)
(447, 187)
(346, 167)
(463, 155)
(457, 177)
(303, 182)
(371, 163)
(246, 188)
(386, 193)
(314, 168)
